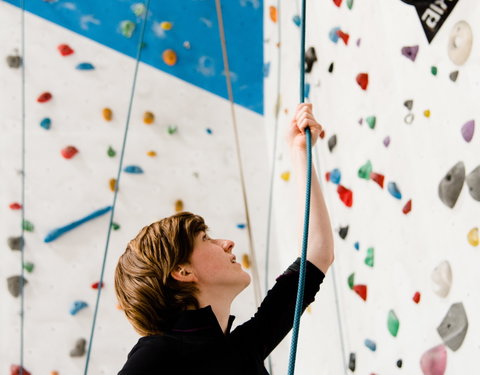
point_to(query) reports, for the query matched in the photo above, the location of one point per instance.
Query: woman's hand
(296, 137)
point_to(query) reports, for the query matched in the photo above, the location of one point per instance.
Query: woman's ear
(183, 273)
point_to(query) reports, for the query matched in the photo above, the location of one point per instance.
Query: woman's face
(214, 266)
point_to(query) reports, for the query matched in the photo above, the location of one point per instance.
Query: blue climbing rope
(112, 212)
(303, 261)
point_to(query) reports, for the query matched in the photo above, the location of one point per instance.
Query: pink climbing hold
(434, 361)
(362, 80)
(69, 152)
(65, 49)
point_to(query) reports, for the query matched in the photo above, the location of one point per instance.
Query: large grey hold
(15, 243)
(13, 283)
(332, 142)
(451, 185)
(79, 348)
(473, 183)
(454, 326)
(14, 61)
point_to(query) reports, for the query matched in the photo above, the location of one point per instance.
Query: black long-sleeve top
(197, 345)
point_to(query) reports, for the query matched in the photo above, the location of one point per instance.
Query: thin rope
(256, 280)
(22, 239)
(303, 263)
(100, 283)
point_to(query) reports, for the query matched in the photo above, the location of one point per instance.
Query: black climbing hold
(343, 232)
(330, 68)
(310, 58)
(15, 243)
(13, 283)
(79, 348)
(352, 362)
(332, 142)
(399, 363)
(14, 61)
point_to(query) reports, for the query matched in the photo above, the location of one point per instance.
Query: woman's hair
(146, 291)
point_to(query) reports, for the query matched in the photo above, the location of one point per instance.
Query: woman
(176, 285)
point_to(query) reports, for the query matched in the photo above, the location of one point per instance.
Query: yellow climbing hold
(148, 118)
(166, 25)
(285, 176)
(169, 57)
(107, 114)
(151, 153)
(473, 237)
(427, 113)
(309, 309)
(112, 183)
(178, 206)
(245, 261)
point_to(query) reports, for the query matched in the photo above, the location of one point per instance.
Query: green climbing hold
(115, 226)
(393, 323)
(111, 152)
(350, 4)
(434, 70)
(371, 121)
(127, 28)
(172, 129)
(370, 256)
(351, 280)
(28, 266)
(28, 226)
(365, 171)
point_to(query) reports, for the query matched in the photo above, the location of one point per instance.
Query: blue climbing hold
(335, 176)
(370, 345)
(209, 131)
(357, 246)
(333, 35)
(85, 66)
(133, 169)
(266, 69)
(46, 123)
(77, 306)
(394, 191)
(307, 90)
(241, 226)
(297, 20)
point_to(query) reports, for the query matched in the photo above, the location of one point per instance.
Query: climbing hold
(454, 76)
(107, 114)
(365, 171)
(426, 113)
(28, 266)
(139, 9)
(169, 57)
(18, 370)
(351, 280)
(273, 13)
(335, 176)
(14, 284)
(310, 58)
(362, 80)
(344, 36)
(148, 118)
(27, 226)
(350, 4)
(359, 40)
(338, 3)
(416, 297)
(393, 323)
(77, 306)
(172, 129)
(393, 190)
(65, 49)
(434, 70)
(378, 178)
(85, 66)
(454, 326)
(473, 238)
(356, 245)
(209, 131)
(46, 123)
(151, 153)
(371, 121)
(54, 373)
(44, 97)
(285, 176)
(434, 361)
(115, 226)
(333, 35)
(370, 345)
(361, 290)
(442, 278)
(408, 207)
(330, 68)
(346, 195)
(410, 52)
(97, 284)
(322, 134)
(245, 261)
(467, 130)
(409, 118)
(112, 183)
(399, 363)
(241, 226)
(473, 183)
(15, 243)
(178, 205)
(332, 142)
(166, 25)
(186, 44)
(111, 152)
(69, 152)
(369, 260)
(408, 104)
(352, 362)
(127, 28)
(307, 94)
(342, 232)
(386, 141)
(460, 43)
(79, 349)
(14, 61)
(297, 20)
(15, 206)
(133, 169)
(266, 69)
(451, 185)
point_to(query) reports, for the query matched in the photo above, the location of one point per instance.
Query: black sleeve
(274, 318)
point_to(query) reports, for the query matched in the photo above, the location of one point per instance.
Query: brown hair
(146, 291)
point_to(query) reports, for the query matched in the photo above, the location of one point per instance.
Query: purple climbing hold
(386, 141)
(468, 129)
(410, 52)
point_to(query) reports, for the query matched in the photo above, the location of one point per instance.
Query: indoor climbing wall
(395, 87)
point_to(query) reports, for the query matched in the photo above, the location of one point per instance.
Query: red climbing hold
(65, 49)
(344, 36)
(45, 97)
(408, 207)
(416, 297)
(338, 2)
(69, 152)
(327, 176)
(361, 290)
(346, 195)
(378, 178)
(16, 370)
(95, 285)
(15, 206)
(362, 80)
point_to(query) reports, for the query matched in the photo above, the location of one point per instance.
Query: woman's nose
(228, 245)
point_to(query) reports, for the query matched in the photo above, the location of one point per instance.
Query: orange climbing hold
(179, 206)
(148, 118)
(346, 195)
(112, 184)
(273, 14)
(361, 290)
(44, 97)
(65, 49)
(107, 114)
(151, 153)
(169, 57)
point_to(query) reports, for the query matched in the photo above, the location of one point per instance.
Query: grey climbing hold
(15, 243)
(454, 75)
(473, 183)
(310, 58)
(454, 326)
(13, 283)
(332, 142)
(408, 104)
(14, 61)
(79, 349)
(451, 185)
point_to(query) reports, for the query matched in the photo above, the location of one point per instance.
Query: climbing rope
(112, 212)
